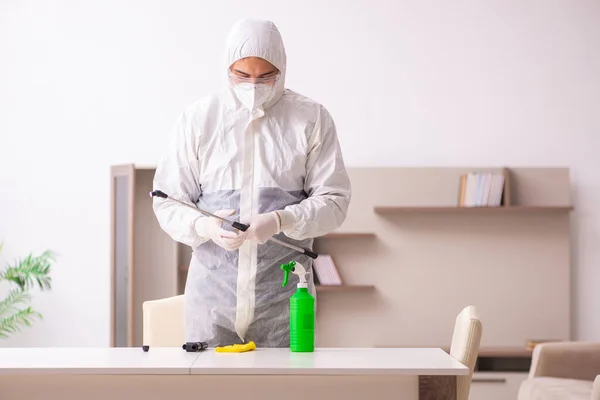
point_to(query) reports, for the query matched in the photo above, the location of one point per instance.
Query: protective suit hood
(258, 38)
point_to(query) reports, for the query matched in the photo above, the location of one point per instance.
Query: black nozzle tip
(311, 254)
(158, 193)
(145, 348)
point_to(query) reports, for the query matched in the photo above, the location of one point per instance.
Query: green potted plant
(23, 275)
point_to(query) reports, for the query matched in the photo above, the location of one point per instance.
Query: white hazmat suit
(230, 152)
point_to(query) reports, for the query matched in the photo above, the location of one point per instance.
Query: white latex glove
(210, 227)
(263, 227)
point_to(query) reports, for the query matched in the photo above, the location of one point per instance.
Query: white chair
(465, 347)
(163, 324)
(563, 370)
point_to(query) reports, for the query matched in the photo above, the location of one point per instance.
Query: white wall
(84, 85)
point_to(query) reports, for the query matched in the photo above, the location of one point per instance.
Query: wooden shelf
(488, 352)
(455, 209)
(504, 352)
(348, 235)
(343, 288)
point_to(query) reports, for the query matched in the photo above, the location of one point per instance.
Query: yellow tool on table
(236, 348)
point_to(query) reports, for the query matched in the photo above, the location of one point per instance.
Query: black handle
(311, 254)
(158, 193)
(240, 226)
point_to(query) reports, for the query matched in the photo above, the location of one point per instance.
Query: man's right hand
(212, 227)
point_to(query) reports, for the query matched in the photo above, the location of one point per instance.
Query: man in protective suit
(267, 156)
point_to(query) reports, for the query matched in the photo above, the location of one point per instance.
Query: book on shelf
(481, 189)
(325, 271)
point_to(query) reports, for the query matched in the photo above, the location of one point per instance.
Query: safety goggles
(236, 79)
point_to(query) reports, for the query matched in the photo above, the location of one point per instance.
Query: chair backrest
(465, 347)
(163, 324)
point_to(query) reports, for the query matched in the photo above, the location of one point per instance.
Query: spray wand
(236, 225)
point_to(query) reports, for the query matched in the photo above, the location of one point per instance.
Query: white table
(171, 373)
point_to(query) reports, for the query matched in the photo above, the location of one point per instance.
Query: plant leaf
(14, 297)
(17, 321)
(31, 270)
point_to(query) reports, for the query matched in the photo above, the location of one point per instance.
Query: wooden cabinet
(144, 259)
(496, 385)
(410, 257)
(499, 372)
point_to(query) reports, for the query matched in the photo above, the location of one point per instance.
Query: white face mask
(253, 95)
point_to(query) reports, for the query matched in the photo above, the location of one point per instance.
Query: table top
(325, 361)
(332, 361)
(91, 360)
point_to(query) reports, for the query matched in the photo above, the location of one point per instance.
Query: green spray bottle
(302, 311)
